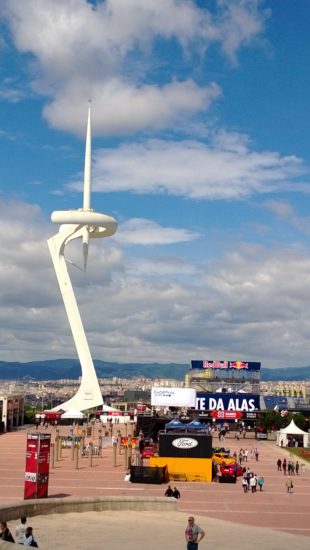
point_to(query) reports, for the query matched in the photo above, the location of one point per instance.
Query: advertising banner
(261, 435)
(30, 489)
(244, 402)
(124, 442)
(37, 466)
(190, 445)
(227, 415)
(173, 397)
(226, 365)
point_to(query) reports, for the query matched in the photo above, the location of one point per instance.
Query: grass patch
(299, 453)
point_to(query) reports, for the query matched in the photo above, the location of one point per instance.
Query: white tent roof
(73, 413)
(292, 429)
(106, 408)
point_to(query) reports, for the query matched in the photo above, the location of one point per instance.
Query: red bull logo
(215, 364)
(238, 365)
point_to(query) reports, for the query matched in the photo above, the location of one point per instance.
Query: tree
(29, 414)
(270, 420)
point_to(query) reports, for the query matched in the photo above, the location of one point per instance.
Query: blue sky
(200, 118)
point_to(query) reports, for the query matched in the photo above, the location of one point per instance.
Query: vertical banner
(37, 465)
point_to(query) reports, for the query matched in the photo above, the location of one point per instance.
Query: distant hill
(70, 368)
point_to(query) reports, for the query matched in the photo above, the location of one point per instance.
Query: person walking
(253, 483)
(297, 467)
(245, 484)
(193, 534)
(289, 485)
(20, 530)
(176, 493)
(279, 464)
(261, 483)
(284, 466)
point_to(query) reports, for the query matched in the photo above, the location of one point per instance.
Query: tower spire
(87, 166)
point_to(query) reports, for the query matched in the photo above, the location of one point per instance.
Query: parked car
(223, 458)
(148, 451)
(233, 469)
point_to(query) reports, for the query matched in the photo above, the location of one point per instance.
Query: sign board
(227, 415)
(226, 365)
(124, 442)
(244, 402)
(252, 415)
(185, 445)
(173, 397)
(185, 442)
(261, 435)
(37, 466)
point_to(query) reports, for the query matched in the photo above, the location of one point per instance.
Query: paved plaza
(271, 518)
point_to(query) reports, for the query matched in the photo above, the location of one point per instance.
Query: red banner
(227, 415)
(124, 442)
(37, 466)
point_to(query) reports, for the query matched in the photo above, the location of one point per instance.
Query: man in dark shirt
(169, 492)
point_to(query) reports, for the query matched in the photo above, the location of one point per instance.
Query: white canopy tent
(292, 432)
(74, 414)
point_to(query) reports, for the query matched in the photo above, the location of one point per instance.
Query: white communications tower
(85, 224)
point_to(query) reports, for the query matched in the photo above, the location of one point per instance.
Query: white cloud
(13, 95)
(250, 303)
(147, 232)
(106, 52)
(286, 212)
(281, 208)
(225, 169)
(159, 266)
(123, 108)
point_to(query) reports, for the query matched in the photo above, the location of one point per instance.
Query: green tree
(270, 420)
(29, 414)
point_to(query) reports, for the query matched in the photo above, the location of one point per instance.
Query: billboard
(37, 466)
(187, 445)
(244, 402)
(226, 365)
(173, 397)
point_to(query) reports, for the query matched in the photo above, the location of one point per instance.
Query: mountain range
(70, 369)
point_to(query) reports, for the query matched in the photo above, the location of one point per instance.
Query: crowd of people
(243, 454)
(288, 467)
(250, 481)
(23, 533)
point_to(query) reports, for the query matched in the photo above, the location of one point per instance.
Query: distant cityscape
(232, 387)
(45, 394)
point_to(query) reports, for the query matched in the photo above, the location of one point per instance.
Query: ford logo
(185, 443)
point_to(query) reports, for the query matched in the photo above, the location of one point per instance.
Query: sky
(200, 150)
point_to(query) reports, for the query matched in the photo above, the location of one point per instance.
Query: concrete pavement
(223, 509)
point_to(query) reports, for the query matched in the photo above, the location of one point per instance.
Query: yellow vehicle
(223, 458)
